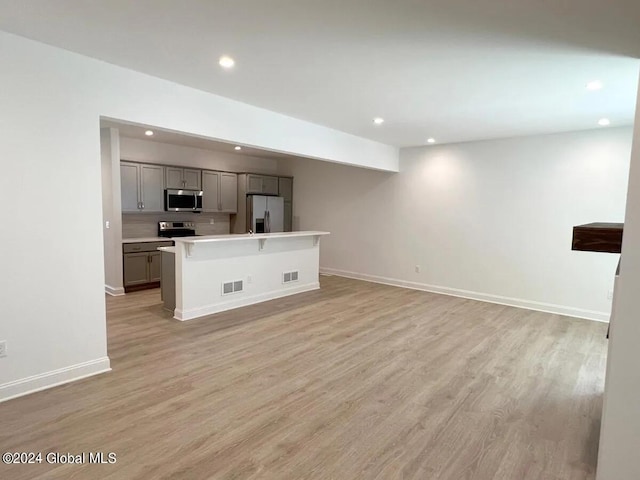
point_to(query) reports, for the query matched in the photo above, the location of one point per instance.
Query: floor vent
(288, 277)
(232, 287)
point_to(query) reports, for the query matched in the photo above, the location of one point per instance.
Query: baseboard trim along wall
(51, 379)
(241, 301)
(483, 297)
(113, 291)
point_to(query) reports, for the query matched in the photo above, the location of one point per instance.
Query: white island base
(222, 272)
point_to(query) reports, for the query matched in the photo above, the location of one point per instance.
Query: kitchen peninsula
(206, 275)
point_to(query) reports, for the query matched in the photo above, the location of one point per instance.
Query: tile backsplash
(140, 225)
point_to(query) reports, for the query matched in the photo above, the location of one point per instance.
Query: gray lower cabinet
(142, 264)
(136, 269)
(155, 267)
(168, 284)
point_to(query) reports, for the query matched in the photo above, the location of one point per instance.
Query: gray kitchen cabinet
(130, 187)
(219, 192)
(210, 191)
(229, 192)
(142, 264)
(262, 184)
(187, 178)
(174, 177)
(155, 267)
(152, 191)
(142, 187)
(136, 267)
(288, 217)
(285, 188)
(270, 185)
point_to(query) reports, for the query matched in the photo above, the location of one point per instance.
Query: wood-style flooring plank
(353, 381)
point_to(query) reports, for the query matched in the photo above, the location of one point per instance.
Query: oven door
(183, 201)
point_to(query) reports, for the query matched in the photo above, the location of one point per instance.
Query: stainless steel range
(176, 229)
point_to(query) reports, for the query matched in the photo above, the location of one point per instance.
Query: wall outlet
(417, 268)
(211, 221)
(107, 224)
(3, 348)
(249, 279)
(610, 295)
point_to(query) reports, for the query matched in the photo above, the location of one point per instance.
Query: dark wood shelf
(598, 237)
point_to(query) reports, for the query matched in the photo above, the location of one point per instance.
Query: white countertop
(146, 240)
(247, 236)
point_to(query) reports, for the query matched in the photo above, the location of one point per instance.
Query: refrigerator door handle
(267, 223)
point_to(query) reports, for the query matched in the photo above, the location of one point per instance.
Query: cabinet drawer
(144, 246)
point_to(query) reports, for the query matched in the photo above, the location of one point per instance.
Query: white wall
(620, 431)
(489, 220)
(111, 210)
(52, 290)
(167, 154)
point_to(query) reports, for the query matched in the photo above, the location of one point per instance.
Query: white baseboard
(113, 291)
(35, 383)
(241, 301)
(483, 297)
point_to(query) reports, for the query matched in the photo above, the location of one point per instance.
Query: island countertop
(247, 236)
(221, 272)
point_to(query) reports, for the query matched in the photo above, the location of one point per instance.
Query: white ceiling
(456, 70)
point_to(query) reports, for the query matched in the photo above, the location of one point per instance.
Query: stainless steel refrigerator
(265, 214)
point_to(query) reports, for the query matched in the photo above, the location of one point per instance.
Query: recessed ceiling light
(431, 140)
(148, 133)
(237, 147)
(594, 85)
(378, 120)
(226, 62)
(604, 122)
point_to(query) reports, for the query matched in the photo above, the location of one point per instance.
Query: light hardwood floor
(354, 381)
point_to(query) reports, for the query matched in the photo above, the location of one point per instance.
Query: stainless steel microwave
(183, 200)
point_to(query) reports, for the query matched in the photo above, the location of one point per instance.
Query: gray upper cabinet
(188, 178)
(192, 179)
(254, 183)
(270, 185)
(229, 192)
(152, 192)
(130, 186)
(142, 187)
(174, 177)
(210, 191)
(262, 184)
(220, 192)
(285, 188)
